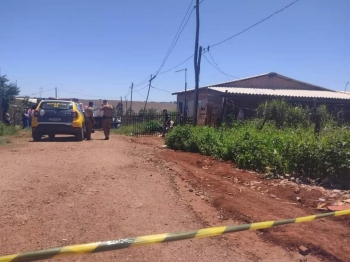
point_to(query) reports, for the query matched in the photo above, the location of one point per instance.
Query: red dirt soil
(245, 197)
(66, 192)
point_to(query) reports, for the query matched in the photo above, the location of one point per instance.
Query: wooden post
(149, 87)
(224, 108)
(196, 69)
(132, 87)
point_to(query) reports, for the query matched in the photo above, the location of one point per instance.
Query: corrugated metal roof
(282, 92)
(271, 73)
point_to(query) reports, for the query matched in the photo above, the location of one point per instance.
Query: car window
(79, 108)
(56, 105)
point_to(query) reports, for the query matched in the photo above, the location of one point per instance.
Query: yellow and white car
(53, 117)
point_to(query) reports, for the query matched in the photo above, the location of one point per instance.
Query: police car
(53, 117)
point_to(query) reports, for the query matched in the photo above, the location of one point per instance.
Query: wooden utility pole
(196, 68)
(126, 106)
(149, 87)
(121, 101)
(132, 87)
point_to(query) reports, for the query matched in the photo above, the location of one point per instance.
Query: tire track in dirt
(234, 198)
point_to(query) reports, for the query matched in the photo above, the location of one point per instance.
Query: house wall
(250, 102)
(202, 100)
(271, 81)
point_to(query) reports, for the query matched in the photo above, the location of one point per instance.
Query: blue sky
(98, 47)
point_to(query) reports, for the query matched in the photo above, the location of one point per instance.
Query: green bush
(294, 151)
(6, 130)
(152, 126)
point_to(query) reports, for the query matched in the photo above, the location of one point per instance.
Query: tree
(119, 109)
(8, 92)
(149, 111)
(130, 112)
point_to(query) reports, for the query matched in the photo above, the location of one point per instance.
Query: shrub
(6, 130)
(277, 151)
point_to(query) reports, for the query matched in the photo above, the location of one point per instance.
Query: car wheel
(80, 135)
(36, 136)
(52, 136)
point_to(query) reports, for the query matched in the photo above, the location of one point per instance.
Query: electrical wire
(229, 38)
(177, 36)
(141, 88)
(86, 95)
(142, 82)
(217, 65)
(217, 68)
(176, 65)
(46, 90)
(161, 89)
(140, 94)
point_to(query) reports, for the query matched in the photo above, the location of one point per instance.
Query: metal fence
(151, 124)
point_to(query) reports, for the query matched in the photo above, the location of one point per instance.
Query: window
(180, 107)
(79, 108)
(56, 105)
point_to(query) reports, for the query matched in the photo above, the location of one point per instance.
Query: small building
(244, 95)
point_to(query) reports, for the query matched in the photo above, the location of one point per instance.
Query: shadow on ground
(57, 139)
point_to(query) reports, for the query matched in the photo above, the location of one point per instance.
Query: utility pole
(121, 101)
(346, 86)
(149, 87)
(196, 69)
(41, 90)
(56, 92)
(132, 87)
(126, 106)
(185, 69)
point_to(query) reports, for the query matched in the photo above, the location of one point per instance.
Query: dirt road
(65, 192)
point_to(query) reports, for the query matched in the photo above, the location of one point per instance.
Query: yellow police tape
(154, 239)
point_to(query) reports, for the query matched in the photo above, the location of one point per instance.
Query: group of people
(107, 110)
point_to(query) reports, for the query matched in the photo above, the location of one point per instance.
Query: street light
(185, 109)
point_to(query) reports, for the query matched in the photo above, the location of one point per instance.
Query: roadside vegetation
(282, 140)
(6, 131)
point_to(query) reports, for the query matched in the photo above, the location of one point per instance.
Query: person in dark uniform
(89, 120)
(166, 123)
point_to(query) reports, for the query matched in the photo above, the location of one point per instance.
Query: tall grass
(6, 130)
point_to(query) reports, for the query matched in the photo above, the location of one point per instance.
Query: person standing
(107, 110)
(89, 120)
(25, 118)
(166, 123)
(7, 118)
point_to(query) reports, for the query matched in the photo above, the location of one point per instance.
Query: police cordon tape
(155, 239)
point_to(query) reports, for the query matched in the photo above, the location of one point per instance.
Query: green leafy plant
(291, 150)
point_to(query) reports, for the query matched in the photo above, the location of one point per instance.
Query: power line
(140, 94)
(177, 36)
(176, 65)
(255, 24)
(46, 90)
(216, 65)
(218, 68)
(161, 89)
(143, 81)
(141, 88)
(85, 94)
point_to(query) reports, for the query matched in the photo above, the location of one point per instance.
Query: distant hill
(136, 105)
